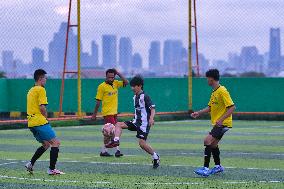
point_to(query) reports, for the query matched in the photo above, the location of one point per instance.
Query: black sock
(207, 156)
(216, 155)
(53, 157)
(37, 154)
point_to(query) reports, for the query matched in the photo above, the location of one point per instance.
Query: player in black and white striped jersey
(142, 122)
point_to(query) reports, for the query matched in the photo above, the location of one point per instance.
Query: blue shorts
(43, 133)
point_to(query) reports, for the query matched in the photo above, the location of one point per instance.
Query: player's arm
(43, 111)
(149, 104)
(125, 81)
(97, 106)
(152, 116)
(227, 114)
(99, 98)
(200, 112)
(107, 139)
(42, 99)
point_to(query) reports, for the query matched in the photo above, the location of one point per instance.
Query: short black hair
(111, 71)
(213, 73)
(137, 81)
(39, 73)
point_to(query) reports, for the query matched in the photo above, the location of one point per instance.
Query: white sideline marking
(52, 180)
(8, 163)
(255, 168)
(236, 153)
(65, 158)
(174, 165)
(276, 126)
(89, 157)
(142, 183)
(130, 163)
(254, 153)
(180, 121)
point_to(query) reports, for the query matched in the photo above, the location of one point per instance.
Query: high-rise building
(125, 53)
(182, 68)
(250, 60)
(172, 54)
(137, 61)
(37, 58)
(86, 60)
(155, 56)
(57, 49)
(8, 61)
(109, 51)
(274, 51)
(94, 54)
(203, 63)
(233, 60)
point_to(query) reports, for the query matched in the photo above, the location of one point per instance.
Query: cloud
(62, 10)
(226, 26)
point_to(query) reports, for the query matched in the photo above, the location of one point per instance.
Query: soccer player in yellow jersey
(38, 123)
(221, 108)
(107, 93)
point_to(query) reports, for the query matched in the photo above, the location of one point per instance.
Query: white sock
(116, 139)
(155, 156)
(117, 148)
(104, 149)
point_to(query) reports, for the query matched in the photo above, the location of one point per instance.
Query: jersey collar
(217, 88)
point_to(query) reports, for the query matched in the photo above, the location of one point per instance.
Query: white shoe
(29, 167)
(54, 172)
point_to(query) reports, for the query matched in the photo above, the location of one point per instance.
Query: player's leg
(220, 131)
(209, 139)
(146, 147)
(204, 171)
(117, 153)
(55, 143)
(142, 136)
(50, 136)
(118, 131)
(40, 151)
(104, 150)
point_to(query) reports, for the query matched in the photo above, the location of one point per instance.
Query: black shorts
(218, 131)
(140, 134)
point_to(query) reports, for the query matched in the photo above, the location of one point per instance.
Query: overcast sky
(224, 25)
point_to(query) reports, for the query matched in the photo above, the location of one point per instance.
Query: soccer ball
(108, 129)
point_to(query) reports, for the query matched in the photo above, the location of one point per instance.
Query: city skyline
(117, 51)
(114, 51)
(170, 55)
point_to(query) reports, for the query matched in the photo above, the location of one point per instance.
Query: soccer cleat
(203, 171)
(54, 172)
(118, 154)
(156, 163)
(105, 154)
(29, 167)
(217, 169)
(112, 144)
